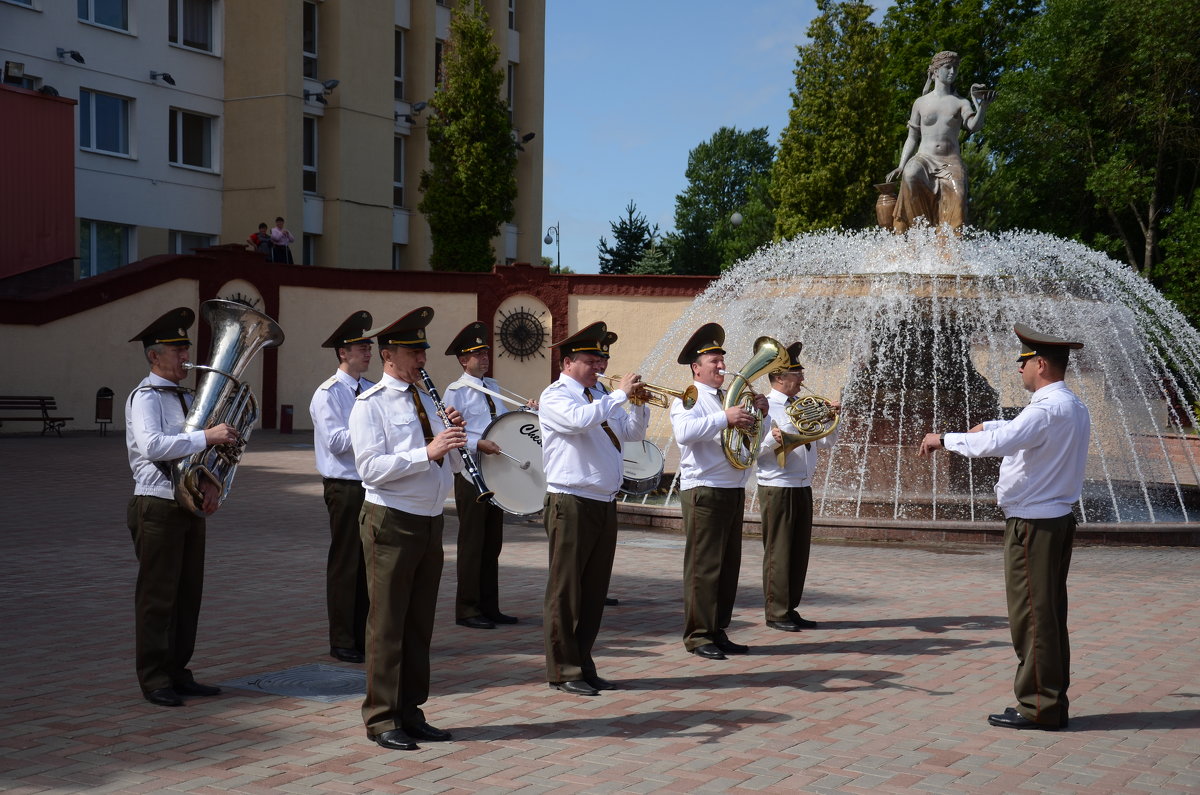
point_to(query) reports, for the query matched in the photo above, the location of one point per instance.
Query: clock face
(522, 334)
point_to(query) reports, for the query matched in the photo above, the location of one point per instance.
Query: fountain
(914, 333)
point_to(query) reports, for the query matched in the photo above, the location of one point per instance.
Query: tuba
(814, 419)
(741, 446)
(239, 333)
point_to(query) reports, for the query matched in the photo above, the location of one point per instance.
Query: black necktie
(612, 437)
(425, 428)
(357, 388)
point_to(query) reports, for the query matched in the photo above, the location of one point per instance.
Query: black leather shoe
(424, 731)
(475, 622)
(1011, 719)
(164, 697)
(729, 647)
(784, 626)
(709, 651)
(500, 618)
(599, 683)
(576, 688)
(394, 739)
(196, 689)
(803, 623)
(346, 655)
(610, 602)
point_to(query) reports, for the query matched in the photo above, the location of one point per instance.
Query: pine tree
(632, 235)
(471, 184)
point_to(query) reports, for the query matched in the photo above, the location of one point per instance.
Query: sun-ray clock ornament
(522, 334)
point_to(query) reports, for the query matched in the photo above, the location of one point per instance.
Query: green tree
(655, 261)
(632, 235)
(1179, 270)
(1097, 128)
(836, 144)
(728, 173)
(471, 184)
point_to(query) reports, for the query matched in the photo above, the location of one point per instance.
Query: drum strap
(612, 437)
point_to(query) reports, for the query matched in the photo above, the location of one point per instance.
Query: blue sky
(632, 87)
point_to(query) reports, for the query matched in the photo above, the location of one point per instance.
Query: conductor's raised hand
(444, 442)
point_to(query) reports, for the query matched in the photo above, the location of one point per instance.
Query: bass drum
(519, 486)
(642, 468)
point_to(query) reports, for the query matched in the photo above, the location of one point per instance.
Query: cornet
(644, 394)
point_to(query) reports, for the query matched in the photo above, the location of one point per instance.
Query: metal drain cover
(317, 682)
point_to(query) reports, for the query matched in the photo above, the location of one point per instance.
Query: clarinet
(485, 494)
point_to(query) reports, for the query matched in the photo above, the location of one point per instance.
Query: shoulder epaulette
(370, 391)
(333, 379)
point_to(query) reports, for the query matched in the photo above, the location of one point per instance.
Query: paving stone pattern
(889, 694)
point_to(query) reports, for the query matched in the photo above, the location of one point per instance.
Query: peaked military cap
(1035, 343)
(708, 339)
(353, 329)
(408, 331)
(793, 352)
(606, 343)
(587, 340)
(170, 329)
(473, 337)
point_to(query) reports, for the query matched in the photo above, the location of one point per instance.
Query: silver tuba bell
(239, 333)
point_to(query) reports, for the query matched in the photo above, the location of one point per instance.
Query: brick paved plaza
(889, 694)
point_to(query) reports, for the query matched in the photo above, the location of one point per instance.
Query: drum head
(518, 489)
(642, 467)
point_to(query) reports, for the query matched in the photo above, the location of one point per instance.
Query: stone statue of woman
(933, 181)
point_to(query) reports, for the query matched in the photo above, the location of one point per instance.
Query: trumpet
(814, 418)
(644, 394)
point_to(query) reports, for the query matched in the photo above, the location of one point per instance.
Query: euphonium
(814, 418)
(741, 446)
(650, 395)
(239, 333)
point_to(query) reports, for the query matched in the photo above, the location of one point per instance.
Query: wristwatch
(942, 440)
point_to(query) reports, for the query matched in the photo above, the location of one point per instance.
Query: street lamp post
(557, 241)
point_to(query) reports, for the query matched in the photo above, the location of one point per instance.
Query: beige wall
(639, 323)
(529, 377)
(309, 316)
(85, 352)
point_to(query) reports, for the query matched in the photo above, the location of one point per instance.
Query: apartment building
(198, 119)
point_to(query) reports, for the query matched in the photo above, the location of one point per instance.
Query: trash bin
(285, 418)
(104, 408)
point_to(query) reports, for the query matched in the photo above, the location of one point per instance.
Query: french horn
(814, 418)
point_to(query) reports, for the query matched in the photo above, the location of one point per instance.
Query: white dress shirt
(629, 424)
(153, 432)
(389, 450)
(330, 412)
(697, 431)
(578, 456)
(472, 405)
(1045, 453)
(800, 463)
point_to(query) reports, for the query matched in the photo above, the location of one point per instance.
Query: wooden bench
(31, 404)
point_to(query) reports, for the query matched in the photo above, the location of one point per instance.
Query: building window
(103, 122)
(512, 14)
(187, 242)
(398, 171)
(191, 24)
(512, 93)
(310, 40)
(110, 13)
(102, 247)
(399, 64)
(310, 154)
(438, 47)
(191, 139)
(308, 249)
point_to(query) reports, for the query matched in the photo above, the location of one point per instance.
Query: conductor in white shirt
(1045, 451)
(345, 575)
(581, 456)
